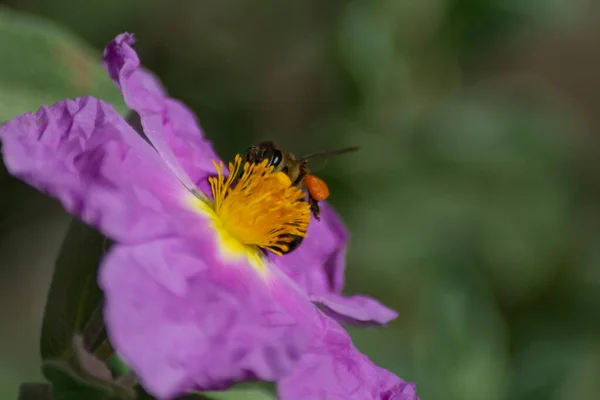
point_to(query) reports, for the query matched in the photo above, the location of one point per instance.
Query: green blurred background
(474, 203)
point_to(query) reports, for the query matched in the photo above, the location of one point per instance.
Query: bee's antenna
(329, 153)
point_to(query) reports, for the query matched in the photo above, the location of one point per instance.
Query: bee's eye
(275, 159)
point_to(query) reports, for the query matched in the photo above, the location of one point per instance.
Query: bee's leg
(293, 244)
(314, 207)
(299, 181)
(250, 155)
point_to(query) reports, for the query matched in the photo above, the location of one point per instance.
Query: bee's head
(266, 151)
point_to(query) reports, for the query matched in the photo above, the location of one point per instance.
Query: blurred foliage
(46, 64)
(473, 204)
(74, 300)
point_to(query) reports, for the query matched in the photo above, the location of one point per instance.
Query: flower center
(259, 208)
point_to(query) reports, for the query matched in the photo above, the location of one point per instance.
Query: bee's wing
(318, 161)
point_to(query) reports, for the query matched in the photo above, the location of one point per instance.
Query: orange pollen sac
(316, 187)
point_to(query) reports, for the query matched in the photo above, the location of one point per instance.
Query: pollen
(259, 208)
(316, 187)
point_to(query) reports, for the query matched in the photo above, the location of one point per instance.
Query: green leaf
(44, 63)
(240, 394)
(68, 384)
(237, 393)
(74, 300)
(121, 371)
(35, 391)
(86, 376)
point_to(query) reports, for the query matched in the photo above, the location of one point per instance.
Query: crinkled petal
(357, 310)
(85, 155)
(394, 388)
(333, 369)
(182, 321)
(318, 264)
(169, 125)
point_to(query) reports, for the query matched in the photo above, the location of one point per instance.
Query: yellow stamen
(262, 209)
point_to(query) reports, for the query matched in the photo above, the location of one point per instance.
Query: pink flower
(192, 301)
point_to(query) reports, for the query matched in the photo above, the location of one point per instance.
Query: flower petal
(182, 323)
(85, 155)
(394, 388)
(333, 369)
(319, 263)
(358, 310)
(318, 266)
(169, 125)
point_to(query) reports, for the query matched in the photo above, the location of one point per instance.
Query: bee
(297, 170)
